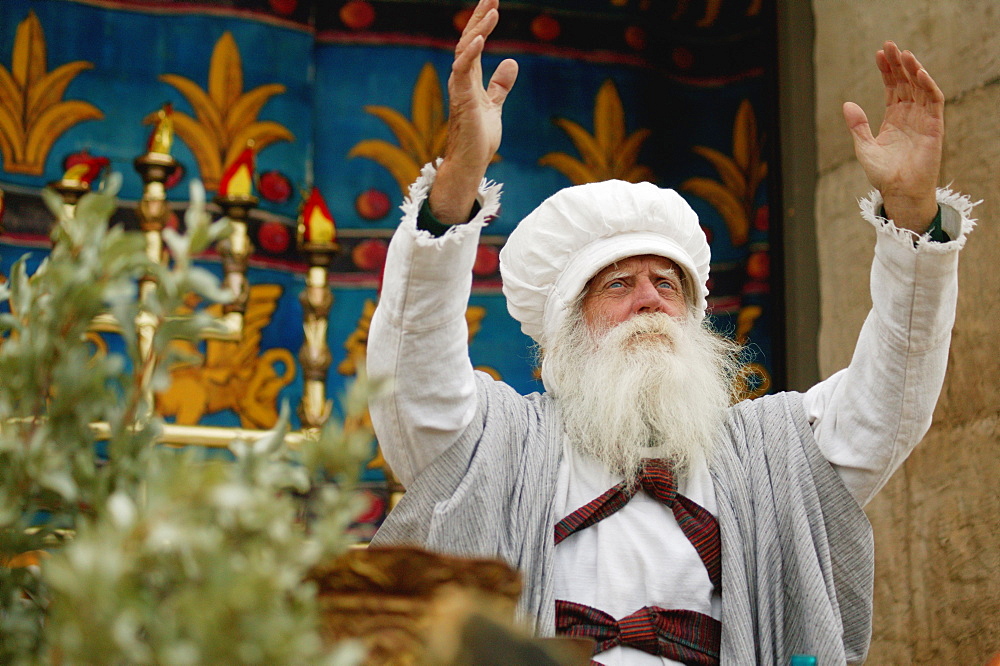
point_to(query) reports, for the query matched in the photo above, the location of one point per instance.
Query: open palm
(903, 162)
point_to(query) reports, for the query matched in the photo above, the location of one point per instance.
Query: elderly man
(641, 505)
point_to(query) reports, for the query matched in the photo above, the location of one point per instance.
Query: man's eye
(667, 284)
(615, 284)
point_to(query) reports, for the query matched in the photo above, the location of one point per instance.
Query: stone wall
(937, 522)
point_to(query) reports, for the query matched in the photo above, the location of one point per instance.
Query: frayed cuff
(488, 198)
(956, 221)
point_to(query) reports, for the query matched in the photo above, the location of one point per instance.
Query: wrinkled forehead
(654, 263)
(629, 265)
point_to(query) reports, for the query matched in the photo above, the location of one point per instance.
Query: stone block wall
(937, 522)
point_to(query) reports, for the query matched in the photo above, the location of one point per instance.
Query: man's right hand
(474, 121)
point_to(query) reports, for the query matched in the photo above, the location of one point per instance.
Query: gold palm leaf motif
(225, 119)
(607, 153)
(421, 138)
(33, 113)
(740, 175)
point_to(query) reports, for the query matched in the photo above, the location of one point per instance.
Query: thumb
(502, 81)
(857, 123)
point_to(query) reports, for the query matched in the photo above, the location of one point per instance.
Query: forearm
(419, 336)
(868, 417)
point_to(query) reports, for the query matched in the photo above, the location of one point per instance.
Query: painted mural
(348, 99)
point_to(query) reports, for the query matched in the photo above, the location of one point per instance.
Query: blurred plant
(156, 556)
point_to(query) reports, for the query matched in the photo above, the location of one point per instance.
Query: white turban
(575, 233)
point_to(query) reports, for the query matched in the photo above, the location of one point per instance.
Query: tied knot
(657, 479)
(686, 636)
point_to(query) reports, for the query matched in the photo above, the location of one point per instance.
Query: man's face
(640, 284)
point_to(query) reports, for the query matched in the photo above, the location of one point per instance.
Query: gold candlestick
(316, 239)
(236, 199)
(235, 252)
(154, 168)
(315, 356)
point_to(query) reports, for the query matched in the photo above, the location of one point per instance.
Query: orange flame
(316, 224)
(237, 179)
(85, 171)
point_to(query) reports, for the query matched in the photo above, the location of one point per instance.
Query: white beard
(649, 387)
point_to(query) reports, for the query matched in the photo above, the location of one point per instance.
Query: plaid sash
(686, 636)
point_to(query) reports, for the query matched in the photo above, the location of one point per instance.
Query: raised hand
(474, 121)
(904, 161)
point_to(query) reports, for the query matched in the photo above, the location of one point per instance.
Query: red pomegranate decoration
(275, 186)
(762, 218)
(372, 204)
(635, 37)
(357, 14)
(487, 261)
(461, 19)
(369, 255)
(283, 7)
(274, 237)
(545, 28)
(759, 266)
(682, 57)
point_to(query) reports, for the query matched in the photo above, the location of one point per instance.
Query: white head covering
(575, 233)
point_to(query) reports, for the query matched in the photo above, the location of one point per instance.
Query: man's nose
(646, 298)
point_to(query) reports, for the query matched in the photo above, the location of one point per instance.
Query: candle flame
(237, 180)
(85, 171)
(317, 225)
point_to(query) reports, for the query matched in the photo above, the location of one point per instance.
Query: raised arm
(474, 121)
(904, 161)
(419, 336)
(868, 417)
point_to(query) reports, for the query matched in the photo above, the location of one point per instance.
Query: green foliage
(155, 556)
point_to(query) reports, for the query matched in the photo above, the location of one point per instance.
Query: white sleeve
(419, 336)
(869, 416)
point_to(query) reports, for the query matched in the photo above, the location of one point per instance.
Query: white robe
(866, 418)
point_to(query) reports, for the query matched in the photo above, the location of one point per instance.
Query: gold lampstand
(315, 355)
(235, 252)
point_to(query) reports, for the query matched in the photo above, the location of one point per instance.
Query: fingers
(904, 77)
(469, 55)
(925, 89)
(899, 80)
(484, 18)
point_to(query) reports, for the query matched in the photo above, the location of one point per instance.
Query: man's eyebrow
(669, 272)
(614, 274)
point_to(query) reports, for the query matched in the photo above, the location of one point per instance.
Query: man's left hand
(903, 162)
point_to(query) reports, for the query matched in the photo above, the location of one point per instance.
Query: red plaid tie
(656, 478)
(685, 636)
